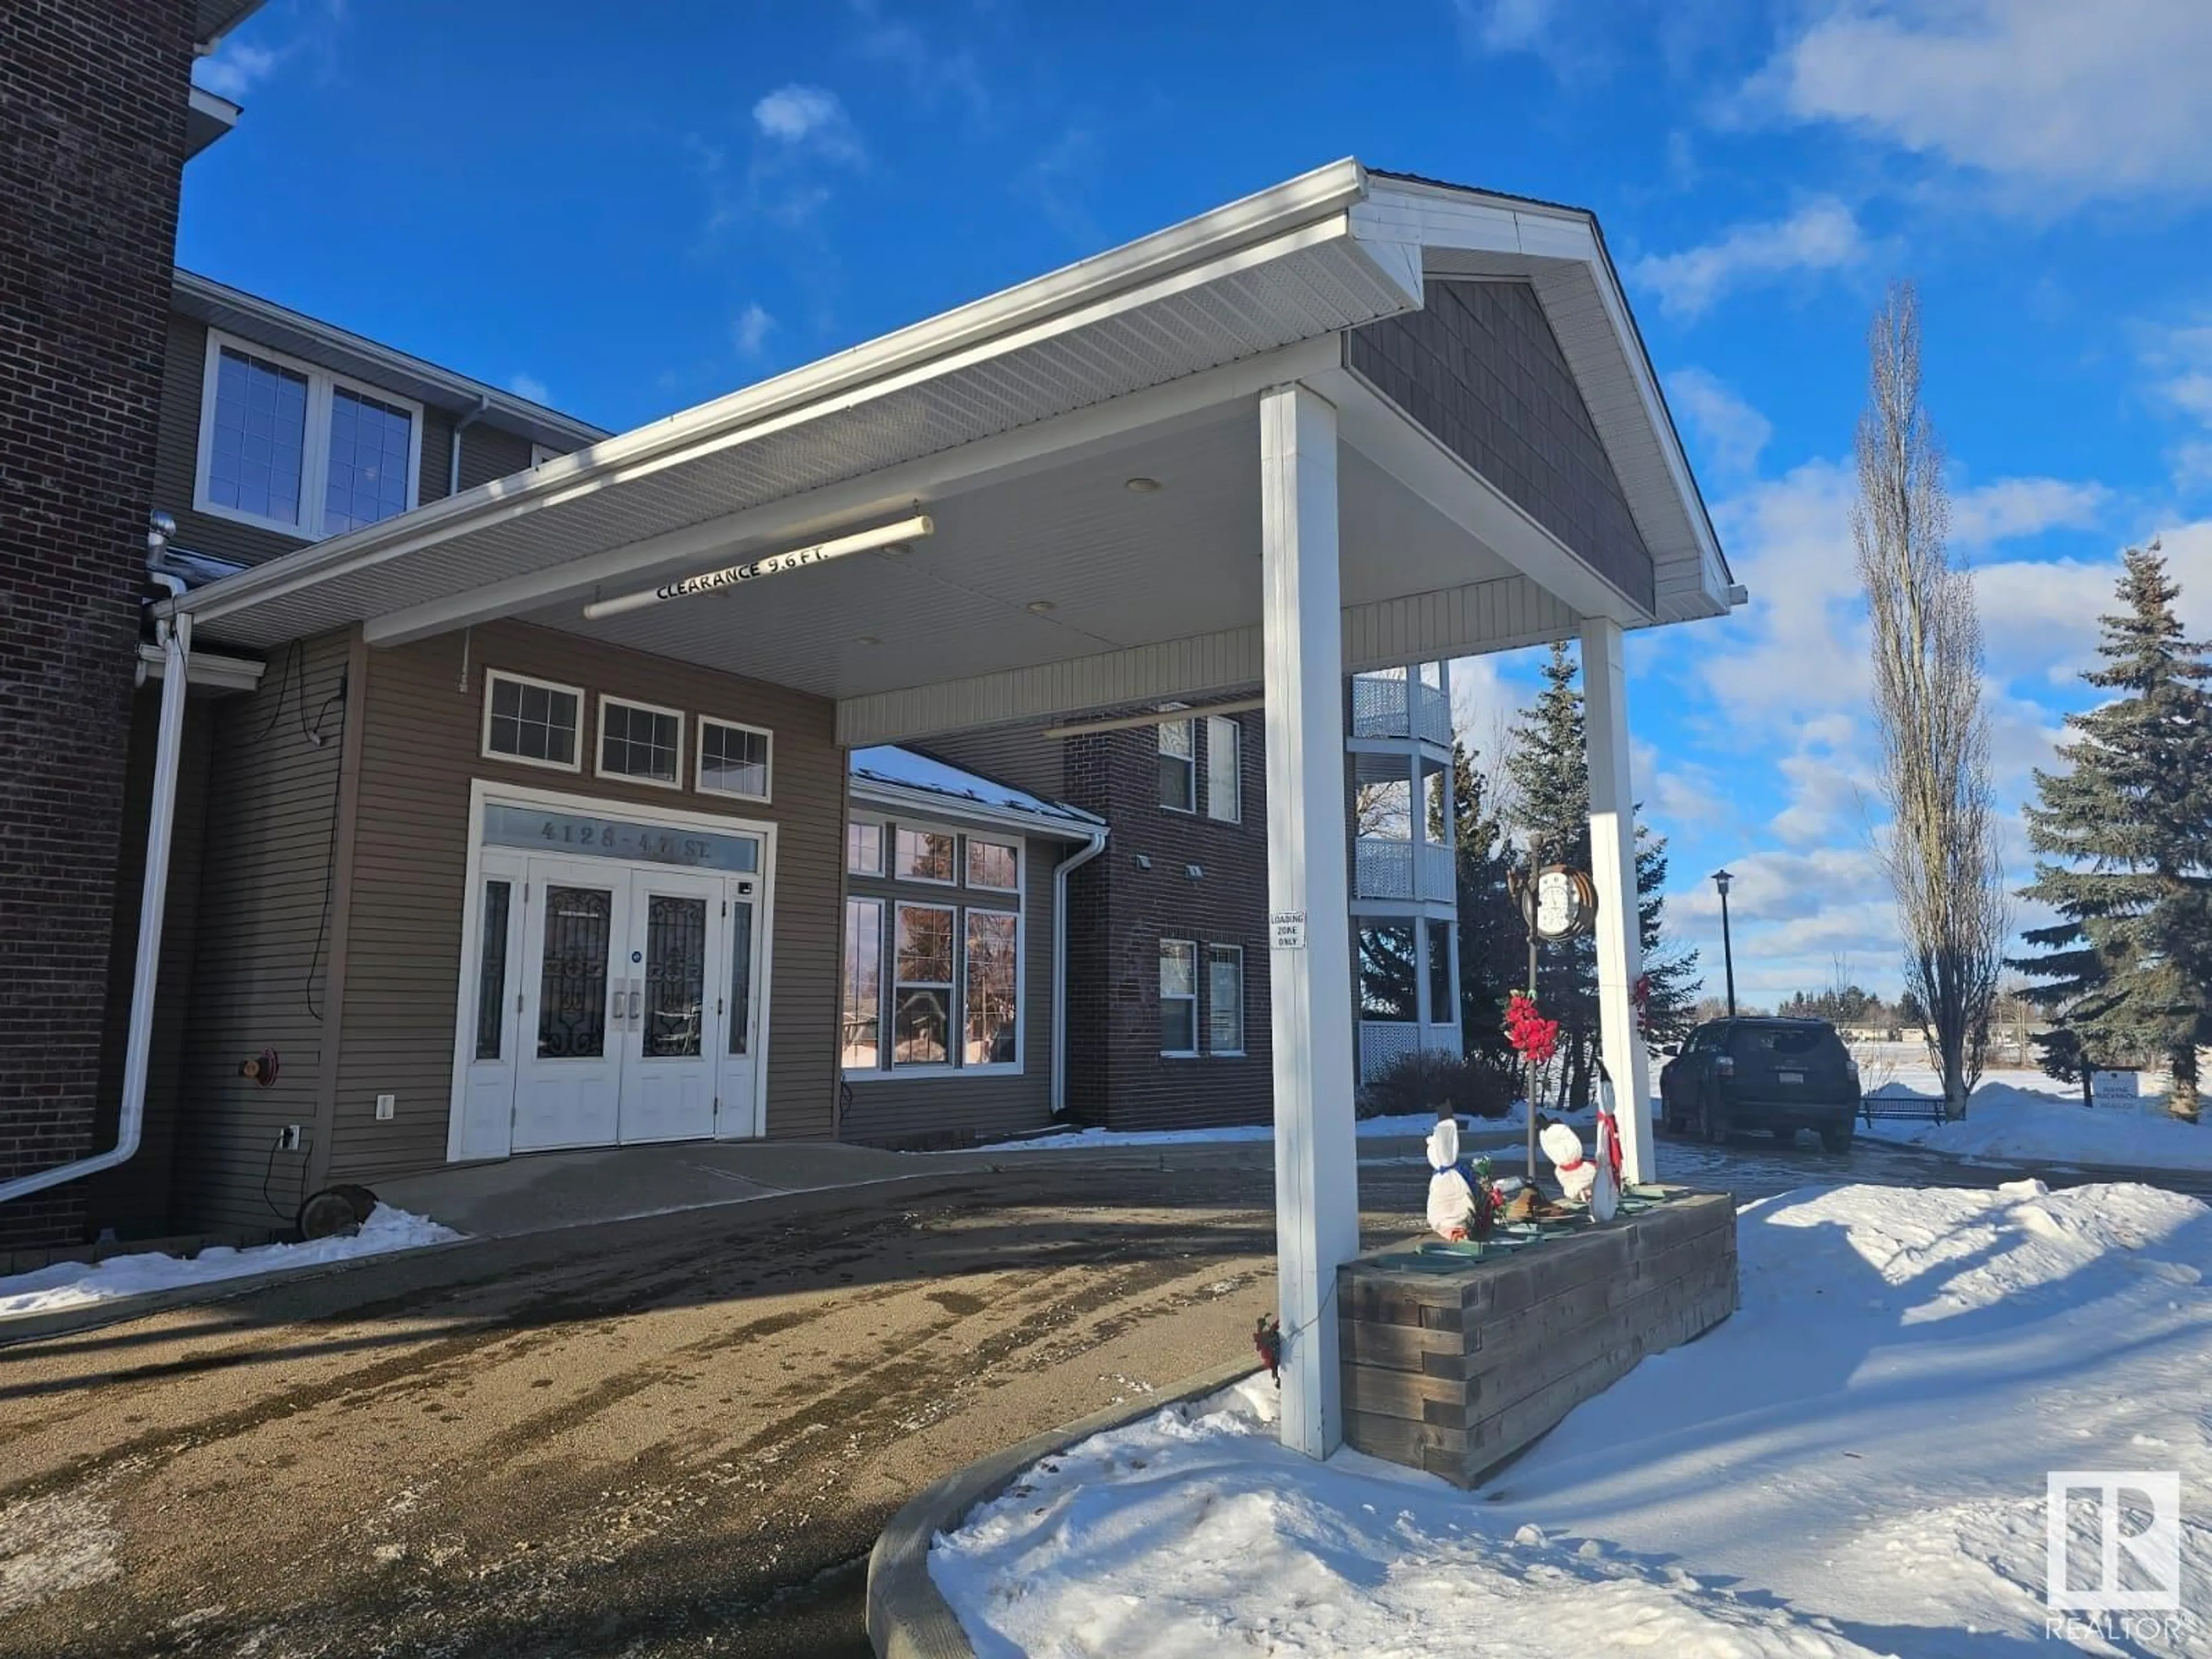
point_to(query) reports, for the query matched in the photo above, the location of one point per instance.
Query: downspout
(453, 470)
(1059, 965)
(175, 637)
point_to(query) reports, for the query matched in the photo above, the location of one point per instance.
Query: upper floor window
(295, 449)
(864, 849)
(1178, 767)
(925, 855)
(732, 759)
(993, 863)
(1223, 757)
(640, 741)
(532, 721)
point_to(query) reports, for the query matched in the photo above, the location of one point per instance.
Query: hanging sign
(798, 559)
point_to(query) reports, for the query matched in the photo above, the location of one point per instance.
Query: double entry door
(634, 1009)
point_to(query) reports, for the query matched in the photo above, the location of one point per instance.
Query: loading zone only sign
(1287, 930)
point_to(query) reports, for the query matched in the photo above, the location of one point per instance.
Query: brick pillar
(93, 98)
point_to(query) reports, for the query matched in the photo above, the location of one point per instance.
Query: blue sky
(626, 212)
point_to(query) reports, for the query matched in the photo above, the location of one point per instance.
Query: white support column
(1309, 902)
(1613, 872)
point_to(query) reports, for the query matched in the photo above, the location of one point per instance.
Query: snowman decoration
(1594, 1181)
(1451, 1194)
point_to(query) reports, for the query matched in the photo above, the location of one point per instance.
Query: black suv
(1778, 1074)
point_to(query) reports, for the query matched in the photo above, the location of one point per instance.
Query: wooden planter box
(1456, 1370)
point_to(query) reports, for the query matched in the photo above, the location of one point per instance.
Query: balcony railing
(1386, 706)
(1385, 869)
(1384, 1042)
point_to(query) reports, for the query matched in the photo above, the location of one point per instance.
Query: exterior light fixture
(1141, 486)
(1722, 879)
(1040, 607)
(866, 639)
(712, 581)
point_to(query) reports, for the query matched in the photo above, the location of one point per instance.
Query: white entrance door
(673, 1011)
(570, 1078)
(739, 1114)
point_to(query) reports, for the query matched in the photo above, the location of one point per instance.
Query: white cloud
(2006, 509)
(1729, 430)
(933, 73)
(1822, 235)
(1507, 25)
(231, 71)
(810, 118)
(530, 386)
(750, 331)
(2063, 97)
(2180, 360)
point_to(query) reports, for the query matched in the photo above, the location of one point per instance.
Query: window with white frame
(1178, 767)
(639, 742)
(988, 999)
(1178, 996)
(533, 722)
(1223, 795)
(864, 849)
(994, 865)
(295, 448)
(932, 982)
(1225, 999)
(921, 984)
(924, 855)
(860, 1043)
(732, 759)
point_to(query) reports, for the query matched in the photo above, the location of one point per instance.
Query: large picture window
(932, 984)
(292, 447)
(922, 993)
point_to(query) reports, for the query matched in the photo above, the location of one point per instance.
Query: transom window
(1178, 767)
(732, 759)
(532, 721)
(925, 855)
(295, 449)
(995, 865)
(640, 741)
(864, 849)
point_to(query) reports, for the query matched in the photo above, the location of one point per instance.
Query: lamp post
(1720, 879)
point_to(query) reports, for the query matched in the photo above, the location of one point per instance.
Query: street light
(1720, 879)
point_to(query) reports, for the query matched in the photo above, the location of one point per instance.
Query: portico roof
(1018, 423)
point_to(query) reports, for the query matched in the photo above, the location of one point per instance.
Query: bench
(1901, 1106)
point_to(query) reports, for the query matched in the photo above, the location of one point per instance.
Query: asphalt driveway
(674, 1435)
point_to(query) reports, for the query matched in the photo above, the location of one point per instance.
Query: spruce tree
(2128, 832)
(1550, 771)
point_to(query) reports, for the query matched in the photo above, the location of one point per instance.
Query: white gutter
(1059, 965)
(175, 637)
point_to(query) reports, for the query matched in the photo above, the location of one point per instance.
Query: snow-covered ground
(73, 1284)
(2026, 1115)
(1852, 1465)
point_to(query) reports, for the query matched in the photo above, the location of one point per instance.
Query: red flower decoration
(1533, 1037)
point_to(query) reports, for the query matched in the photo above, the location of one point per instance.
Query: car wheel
(1711, 1126)
(1835, 1137)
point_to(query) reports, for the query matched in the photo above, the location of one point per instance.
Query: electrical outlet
(385, 1105)
(287, 1138)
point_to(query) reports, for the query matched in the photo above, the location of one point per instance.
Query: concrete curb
(907, 1619)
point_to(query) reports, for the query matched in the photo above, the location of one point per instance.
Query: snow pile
(1853, 1464)
(74, 1284)
(2009, 1121)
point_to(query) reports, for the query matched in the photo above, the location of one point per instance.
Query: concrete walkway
(540, 1191)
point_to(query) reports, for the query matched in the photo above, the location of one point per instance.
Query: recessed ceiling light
(895, 550)
(866, 639)
(1141, 486)
(1042, 607)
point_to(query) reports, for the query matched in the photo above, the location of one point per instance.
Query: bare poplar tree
(1942, 851)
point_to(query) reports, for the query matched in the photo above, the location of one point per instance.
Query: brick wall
(93, 98)
(1119, 913)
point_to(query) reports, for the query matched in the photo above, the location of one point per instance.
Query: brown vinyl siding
(419, 755)
(1478, 367)
(262, 951)
(949, 1108)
